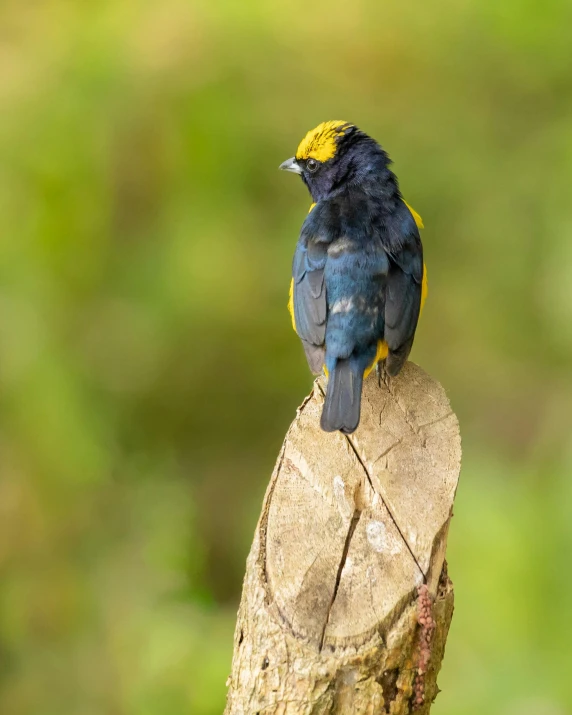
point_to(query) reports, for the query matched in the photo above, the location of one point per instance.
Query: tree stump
(346, 601)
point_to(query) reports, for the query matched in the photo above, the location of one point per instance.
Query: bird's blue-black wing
(403, 292)
(309, 297)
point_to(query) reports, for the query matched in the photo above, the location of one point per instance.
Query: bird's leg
(382, 376)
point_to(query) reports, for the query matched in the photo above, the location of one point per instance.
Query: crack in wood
(436, 420)
(414, 428)
(385, 504)
(367, 474)
(387, 451)
(349, 536)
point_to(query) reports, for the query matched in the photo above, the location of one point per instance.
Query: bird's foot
(378, 372)
(382, 375)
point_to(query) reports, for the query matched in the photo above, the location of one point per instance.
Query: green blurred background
(148, 370)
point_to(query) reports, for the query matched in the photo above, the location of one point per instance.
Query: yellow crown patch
(320, 143)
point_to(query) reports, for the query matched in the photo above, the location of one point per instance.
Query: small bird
(358, 277)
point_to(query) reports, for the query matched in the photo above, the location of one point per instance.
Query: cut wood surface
(353, 528)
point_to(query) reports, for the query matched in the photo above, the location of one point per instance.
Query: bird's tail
(341, 409)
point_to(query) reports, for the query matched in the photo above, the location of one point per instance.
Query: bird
(358, 276)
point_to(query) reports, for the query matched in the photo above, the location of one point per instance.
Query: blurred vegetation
(148, 370)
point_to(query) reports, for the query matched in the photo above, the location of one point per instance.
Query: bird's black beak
(291, 165)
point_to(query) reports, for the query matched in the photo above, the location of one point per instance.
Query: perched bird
(358, 278)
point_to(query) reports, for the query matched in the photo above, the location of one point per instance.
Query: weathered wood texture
(351, 528)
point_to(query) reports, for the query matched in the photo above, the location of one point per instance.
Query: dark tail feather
(343, 398)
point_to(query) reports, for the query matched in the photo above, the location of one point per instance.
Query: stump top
(353, 524)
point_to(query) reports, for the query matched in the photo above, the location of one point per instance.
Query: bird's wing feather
(403, 293)
(309, 291)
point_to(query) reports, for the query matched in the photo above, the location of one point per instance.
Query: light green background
(148, 371)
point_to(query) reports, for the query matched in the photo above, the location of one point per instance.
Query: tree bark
(346, 601)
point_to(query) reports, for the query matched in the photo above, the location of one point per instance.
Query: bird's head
(334, 155)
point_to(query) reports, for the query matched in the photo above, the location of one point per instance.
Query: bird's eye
(312, 165)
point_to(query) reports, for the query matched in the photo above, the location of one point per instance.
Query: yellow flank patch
(321, 143)
(291, 304)
(424, 289)
(381, 354)
(311, 207)
(424, 286)
(416, 217)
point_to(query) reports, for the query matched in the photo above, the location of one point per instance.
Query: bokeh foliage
(148, 371)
